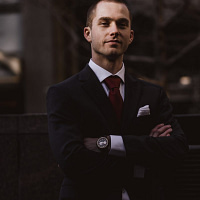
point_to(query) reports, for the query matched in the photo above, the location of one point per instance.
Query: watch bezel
(101, 147)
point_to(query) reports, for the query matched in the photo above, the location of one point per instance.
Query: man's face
(110, 34)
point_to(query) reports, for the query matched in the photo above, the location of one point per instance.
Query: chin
(113, 56)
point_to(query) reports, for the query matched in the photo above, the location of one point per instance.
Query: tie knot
(113, 82)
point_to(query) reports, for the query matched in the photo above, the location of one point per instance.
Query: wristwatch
(103, 143)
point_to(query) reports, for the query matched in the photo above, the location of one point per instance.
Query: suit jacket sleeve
(143, 149)
(66, 140)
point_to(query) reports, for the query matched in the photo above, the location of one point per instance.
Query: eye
(122, 24)
(104, 23)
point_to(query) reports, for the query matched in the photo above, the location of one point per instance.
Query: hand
(161, 130)
(91, 144)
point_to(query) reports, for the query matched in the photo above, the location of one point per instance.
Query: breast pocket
(143, 125)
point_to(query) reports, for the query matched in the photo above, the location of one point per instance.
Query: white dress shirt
(117, 144)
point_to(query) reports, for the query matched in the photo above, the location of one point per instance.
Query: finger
(166, 133)
(156, 134)
(157, 130)
(165, 129)
(158, 126)
(154, 130)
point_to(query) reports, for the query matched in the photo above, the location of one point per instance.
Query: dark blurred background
(42, 43)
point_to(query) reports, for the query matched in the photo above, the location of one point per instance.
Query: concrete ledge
(29, 171)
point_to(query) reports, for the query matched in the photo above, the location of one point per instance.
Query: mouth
(113, 42)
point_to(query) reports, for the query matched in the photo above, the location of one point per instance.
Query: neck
(111, 65)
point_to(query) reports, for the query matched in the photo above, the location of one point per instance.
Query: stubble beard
(110, 55)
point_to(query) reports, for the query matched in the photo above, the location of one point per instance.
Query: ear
(131, 37)
(87, 34)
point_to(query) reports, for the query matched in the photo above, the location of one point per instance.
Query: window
(11, 100)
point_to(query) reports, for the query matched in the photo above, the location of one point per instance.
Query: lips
(113, 41)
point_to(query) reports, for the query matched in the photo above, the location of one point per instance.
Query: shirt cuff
(117, 146)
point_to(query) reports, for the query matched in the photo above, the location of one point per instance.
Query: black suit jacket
(79, 108)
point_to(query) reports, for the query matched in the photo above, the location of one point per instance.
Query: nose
(114, 31)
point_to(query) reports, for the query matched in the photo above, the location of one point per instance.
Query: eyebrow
(110, 19)
(105, 18)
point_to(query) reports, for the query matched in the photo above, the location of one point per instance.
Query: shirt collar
(102, 74)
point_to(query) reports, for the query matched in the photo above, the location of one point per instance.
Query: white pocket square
(145, 110)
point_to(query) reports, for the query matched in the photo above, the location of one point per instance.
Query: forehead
(112, 10)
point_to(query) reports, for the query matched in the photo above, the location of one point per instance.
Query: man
(112, 142)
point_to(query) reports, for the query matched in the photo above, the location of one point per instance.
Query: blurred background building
(42, 43)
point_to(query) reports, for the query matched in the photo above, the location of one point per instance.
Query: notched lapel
(94, 89)
(132, 96)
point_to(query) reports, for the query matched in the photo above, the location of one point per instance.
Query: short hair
(92, 8)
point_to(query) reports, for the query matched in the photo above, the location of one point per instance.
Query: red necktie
(113, 83)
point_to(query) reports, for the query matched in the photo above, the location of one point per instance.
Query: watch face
(102, 142)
